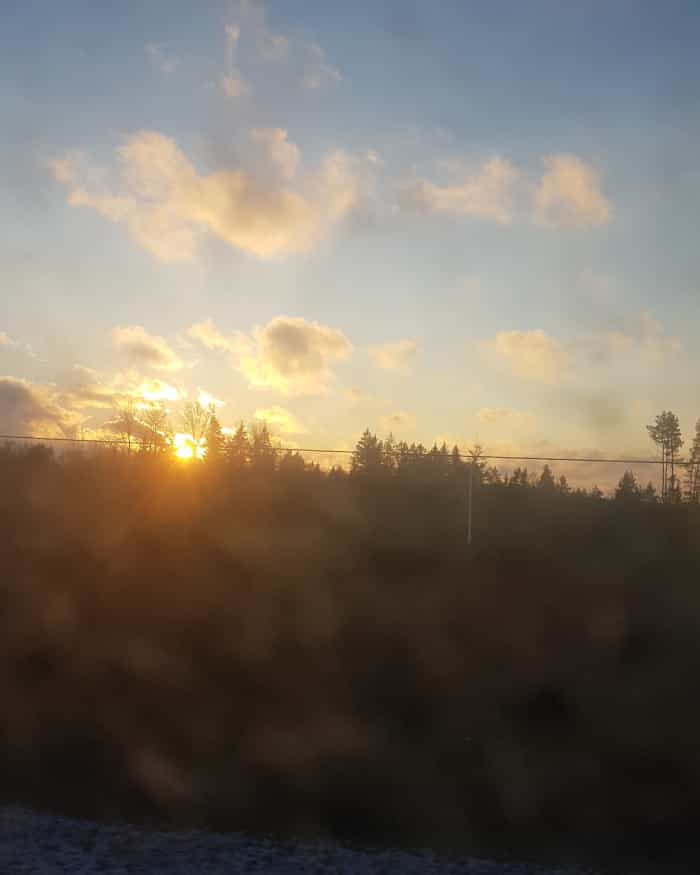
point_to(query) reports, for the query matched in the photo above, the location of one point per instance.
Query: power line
(468, 457)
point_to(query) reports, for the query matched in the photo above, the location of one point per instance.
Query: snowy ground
(43, 845)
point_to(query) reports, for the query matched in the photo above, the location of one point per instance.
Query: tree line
(147, 429)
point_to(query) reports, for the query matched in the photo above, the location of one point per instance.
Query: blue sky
(462, 221)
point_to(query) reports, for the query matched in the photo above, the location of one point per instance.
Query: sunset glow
(187, 448)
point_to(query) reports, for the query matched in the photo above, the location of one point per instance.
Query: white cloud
(397, 356)
(168, 206)
(149, 349)
(642, 334)
(289, 354)
(281, 420)
(279, 151)
(531, 355)
(317, 69)
(301, 60)
(233, 34)
(233, 85)
(5, 339)
(209, 336)
(89, 390)
(569, 194)
(161, 60)
(27, 408)
(486, 193)
(206, 399)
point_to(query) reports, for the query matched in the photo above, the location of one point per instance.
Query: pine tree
(292, 464)
(262, 453)
(692, 475)
(628, 488)
(666, 434)
(457, 466)
(477, 462)
(238, 447)
(546, 481)
(563, 487)
(367, 456)
(492, 476)
(214, 438)
(649, 493)
(389, 453)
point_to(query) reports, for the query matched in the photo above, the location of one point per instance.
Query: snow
(44, 845)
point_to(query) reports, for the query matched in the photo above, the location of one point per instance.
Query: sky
(455, 221)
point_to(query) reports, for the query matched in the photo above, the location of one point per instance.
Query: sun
(187, 448)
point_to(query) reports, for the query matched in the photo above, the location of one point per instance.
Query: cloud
(209, 336)
(317, 69)
(507, 418)
(397, 356)
(163, 62)
(289, 354)
(303, 60)
(233, 34)
(398, 420)
(168, 206)
(279, 151)
(233, 85)
(569, 194)
(87, 389)
(642, 334)
(206, 399)
(531, 355)
(27, 408)
(280, 419)
(149, 349)
(5, 339)
(486, 193)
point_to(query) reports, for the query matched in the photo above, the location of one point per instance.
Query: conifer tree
(238, 447)
(666, 434)
(367, 456)
(692, 475)
(214, 438)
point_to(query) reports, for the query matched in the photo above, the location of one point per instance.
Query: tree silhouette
(237, 448)
(195, 420)
(215, 438)
(666, 434)
(367, 456)
(389, 453)
(692, 476)
(263, 455)
(546, 482)
(155, 429)
(628, 488)
(127, 422)
(649, 493)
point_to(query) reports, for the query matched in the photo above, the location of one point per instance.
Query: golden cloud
(149, 349)
(531, 355)
(168, 206)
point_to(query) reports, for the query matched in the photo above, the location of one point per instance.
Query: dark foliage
(266, 646)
